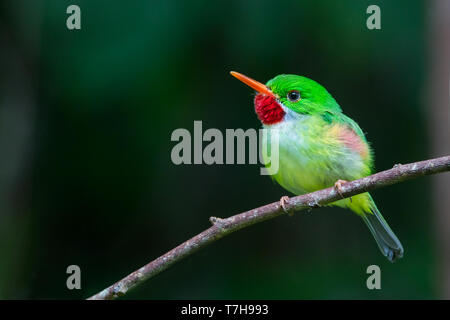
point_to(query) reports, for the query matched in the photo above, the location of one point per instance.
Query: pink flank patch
(352, 141)
(267, 109)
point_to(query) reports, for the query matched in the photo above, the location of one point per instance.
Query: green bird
(319, 147)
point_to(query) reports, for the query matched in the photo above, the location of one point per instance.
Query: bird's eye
(293, 96)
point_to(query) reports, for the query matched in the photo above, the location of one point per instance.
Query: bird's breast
(310, 158)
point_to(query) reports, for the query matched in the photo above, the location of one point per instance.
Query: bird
(318, 147)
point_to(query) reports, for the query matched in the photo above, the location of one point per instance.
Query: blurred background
(86, 118)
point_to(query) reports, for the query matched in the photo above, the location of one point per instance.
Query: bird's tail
(364, 206)
(387, 241)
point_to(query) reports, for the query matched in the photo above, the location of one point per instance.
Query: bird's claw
(338, 186)
(283, 202)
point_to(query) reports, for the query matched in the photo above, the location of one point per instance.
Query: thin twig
(223, 227)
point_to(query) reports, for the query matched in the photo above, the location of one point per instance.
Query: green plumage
(319, 145)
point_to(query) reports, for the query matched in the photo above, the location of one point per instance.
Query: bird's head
(288, 96)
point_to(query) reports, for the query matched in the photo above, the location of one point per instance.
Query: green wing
(340, 118)
(333, 117)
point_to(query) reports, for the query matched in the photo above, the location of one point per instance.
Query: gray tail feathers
(387, 241)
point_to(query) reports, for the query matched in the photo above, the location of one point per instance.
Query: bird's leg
(338, 186)
(283, 202)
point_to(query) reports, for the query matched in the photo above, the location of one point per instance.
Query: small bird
(319, 147)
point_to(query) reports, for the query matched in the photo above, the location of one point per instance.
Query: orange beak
(258, 86)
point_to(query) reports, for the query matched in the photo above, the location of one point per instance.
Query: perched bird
(319, 147)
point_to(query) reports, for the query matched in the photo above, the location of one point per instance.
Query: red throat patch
(268, 110)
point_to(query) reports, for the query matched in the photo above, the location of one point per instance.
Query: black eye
(293, 96)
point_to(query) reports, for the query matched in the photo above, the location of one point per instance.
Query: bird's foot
(338, 186)
(283, 201)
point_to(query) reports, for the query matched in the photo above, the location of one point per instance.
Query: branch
(223, 227)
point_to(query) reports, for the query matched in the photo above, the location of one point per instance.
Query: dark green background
(96, 187)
